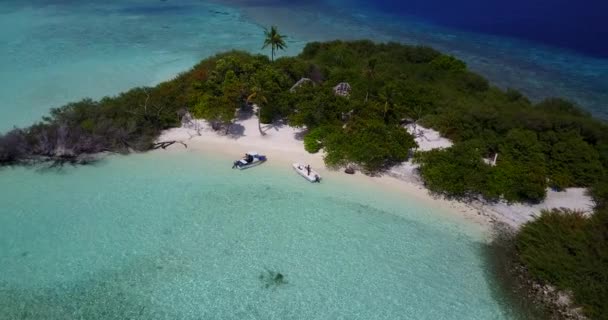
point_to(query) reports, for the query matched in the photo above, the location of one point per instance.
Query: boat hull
(313, 176)
(242, 164)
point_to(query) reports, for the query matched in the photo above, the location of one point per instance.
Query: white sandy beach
(283, 145)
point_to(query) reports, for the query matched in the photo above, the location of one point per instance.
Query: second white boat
(307, 172)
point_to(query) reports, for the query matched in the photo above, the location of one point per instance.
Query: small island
(361, 105)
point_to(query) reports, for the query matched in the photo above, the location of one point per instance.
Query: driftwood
(165, 144)
(300, 83)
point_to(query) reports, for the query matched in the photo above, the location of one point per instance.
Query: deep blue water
(577, 25)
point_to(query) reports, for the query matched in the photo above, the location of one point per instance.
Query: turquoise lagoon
(183, 236)
(180, 235)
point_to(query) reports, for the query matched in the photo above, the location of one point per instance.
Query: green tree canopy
(371, 144)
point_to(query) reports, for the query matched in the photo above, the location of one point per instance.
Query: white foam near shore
(284, 145)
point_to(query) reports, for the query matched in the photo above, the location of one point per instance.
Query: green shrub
(573, 162)
(371, 144)
(449, 63)
(266, 115)
(454, 172)
(570, 251)
(472, 82)
(313, 140)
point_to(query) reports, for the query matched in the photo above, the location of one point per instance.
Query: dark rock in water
(219, 12)
(349, 170)
(272, 279)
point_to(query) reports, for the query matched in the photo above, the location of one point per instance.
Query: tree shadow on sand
(235, 131)
(232, 130)
(300, 134)
(275, 125)
(245, 113)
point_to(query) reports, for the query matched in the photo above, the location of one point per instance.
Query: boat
(251, 159)
(307, 172)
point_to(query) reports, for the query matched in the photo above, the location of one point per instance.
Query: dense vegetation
(570, 251)
(130, 121)
(547, 144)
(552, 143)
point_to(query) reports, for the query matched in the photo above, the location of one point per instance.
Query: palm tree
(275, 40)
(258, 97)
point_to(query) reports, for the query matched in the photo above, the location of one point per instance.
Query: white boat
(251, 159)
(307, 172)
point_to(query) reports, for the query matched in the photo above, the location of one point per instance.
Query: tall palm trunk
(260, 121)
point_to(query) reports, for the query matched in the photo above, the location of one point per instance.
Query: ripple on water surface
(181, 236)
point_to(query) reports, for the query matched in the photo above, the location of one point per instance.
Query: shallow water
(183, 236)
(165, 236)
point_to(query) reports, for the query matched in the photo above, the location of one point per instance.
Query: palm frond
(274, 39)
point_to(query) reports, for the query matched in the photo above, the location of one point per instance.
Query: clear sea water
(181, 236)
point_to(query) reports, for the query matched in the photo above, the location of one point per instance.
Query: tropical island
(356, 104)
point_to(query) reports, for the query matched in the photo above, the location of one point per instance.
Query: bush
(454, 172)
(448, 63)
(266, 115)
(570, 251)
(599, 192)
(471, 82)
(313, 140)
(573, 162)
(371, 144)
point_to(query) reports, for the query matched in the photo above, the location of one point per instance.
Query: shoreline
(453, 210)
(283, 145)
